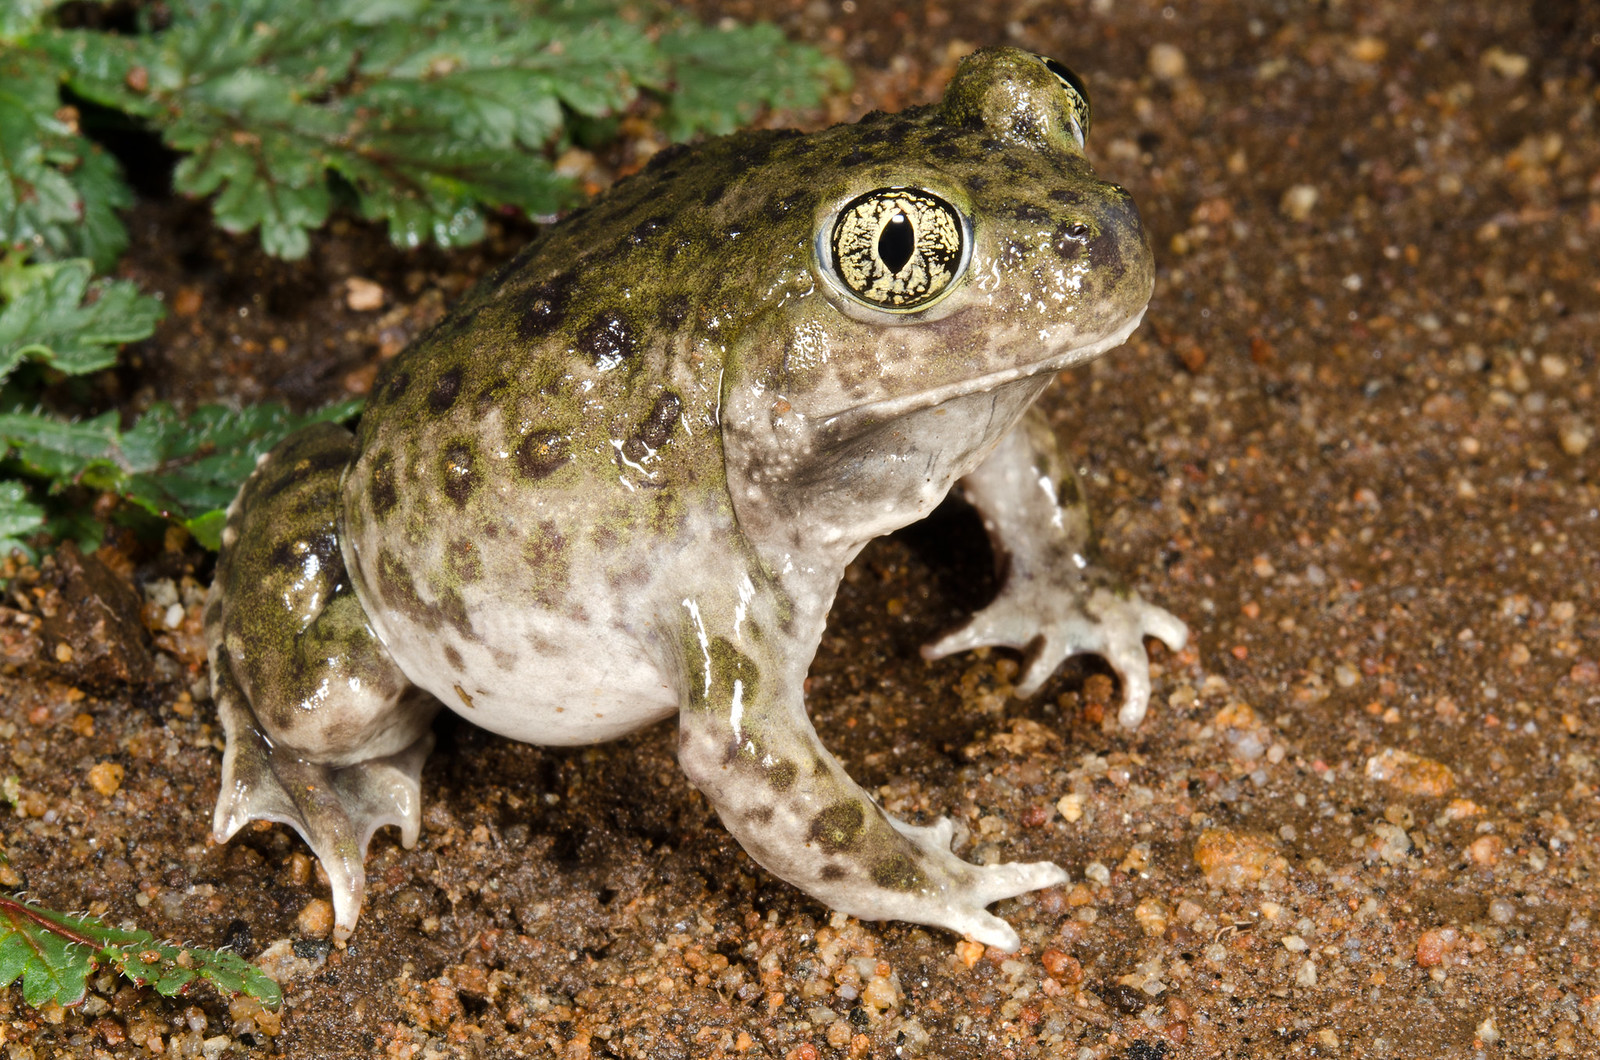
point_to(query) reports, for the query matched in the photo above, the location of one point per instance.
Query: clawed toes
(1008, 881)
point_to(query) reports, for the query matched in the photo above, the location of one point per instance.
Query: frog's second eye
(1077, 93)
(898, 249)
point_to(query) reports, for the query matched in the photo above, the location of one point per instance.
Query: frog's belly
(535, 676)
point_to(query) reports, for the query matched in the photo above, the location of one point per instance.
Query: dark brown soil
(1353, 445)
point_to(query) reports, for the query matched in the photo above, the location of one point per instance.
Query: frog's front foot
(954, 892)
(1052, 621)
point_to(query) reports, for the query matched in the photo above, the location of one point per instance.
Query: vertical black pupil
(896, 243)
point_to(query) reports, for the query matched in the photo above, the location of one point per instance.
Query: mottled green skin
(623, 478)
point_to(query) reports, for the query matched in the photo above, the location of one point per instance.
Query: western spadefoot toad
(622, 481)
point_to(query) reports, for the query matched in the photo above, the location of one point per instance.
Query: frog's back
(534, 471)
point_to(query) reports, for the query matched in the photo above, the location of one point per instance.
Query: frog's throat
(895, 407)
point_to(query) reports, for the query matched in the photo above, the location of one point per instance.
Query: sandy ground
(1353, 445)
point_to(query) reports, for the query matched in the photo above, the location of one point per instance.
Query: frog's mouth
(884, 409)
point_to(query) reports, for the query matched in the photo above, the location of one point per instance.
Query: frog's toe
(1000, 624)
(992, 883)
(1125, 626)
(335, 808)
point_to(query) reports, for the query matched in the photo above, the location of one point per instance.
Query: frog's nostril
(1070, 238)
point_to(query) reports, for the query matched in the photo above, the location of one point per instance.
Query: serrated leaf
(432, 111)
(51, 313)
(19, 515)
(58, 191)
(184, 468)
(54, 954)
(723, 77)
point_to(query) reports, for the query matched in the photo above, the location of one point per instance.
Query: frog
(622, 480)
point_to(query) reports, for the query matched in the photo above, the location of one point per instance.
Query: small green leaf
(51, 313)
(58, 191)
(184, 468)
(54, 954)
(19, 516)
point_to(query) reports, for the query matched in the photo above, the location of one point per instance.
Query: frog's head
(982, 250)
(960, 255)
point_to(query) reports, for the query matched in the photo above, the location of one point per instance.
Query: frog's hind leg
(324, 733)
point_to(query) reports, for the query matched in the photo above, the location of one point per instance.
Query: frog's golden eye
(898, 249)
(1077, 97)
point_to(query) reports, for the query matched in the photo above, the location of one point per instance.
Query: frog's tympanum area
(623, 480)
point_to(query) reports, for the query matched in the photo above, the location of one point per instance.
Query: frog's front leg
(746, 741)
(324, 732)
(1058, 599)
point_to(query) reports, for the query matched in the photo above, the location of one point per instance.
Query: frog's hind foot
(335, 808)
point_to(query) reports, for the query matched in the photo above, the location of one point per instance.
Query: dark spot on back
(382, 490)
(646, 230)
(492, 395)
(760, 815)
(1029, 212)
(458, 473)
(464, 561)
(833, 871)
(445, 390)
(397, 588)
(897, 872)
(1067, 196)
(665, 157)
(839, 827)
(796, 200)
(756, 149)
(545, 551)
(607, 340)
(453, 657)
(393, 388)
(782, 775)
(449, 605)
(541, 452)
(542, 307)
(1067, 494)
(462, 320)
(663, 418)
(674, 311)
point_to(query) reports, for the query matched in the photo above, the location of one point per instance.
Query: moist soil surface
(1353, 445)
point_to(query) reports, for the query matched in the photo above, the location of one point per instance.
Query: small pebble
(106, 778)
(1411, 774)
(315, 919)
(1167, 62)
(1236, 860)
(1501, 911)
(1485, 851)
(1434, 946)
(363, 295)
(1509, 65)
(1298, 202)
(1575, 436)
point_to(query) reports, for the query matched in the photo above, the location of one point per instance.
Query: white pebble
(1298, 202)
(1167, 62)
